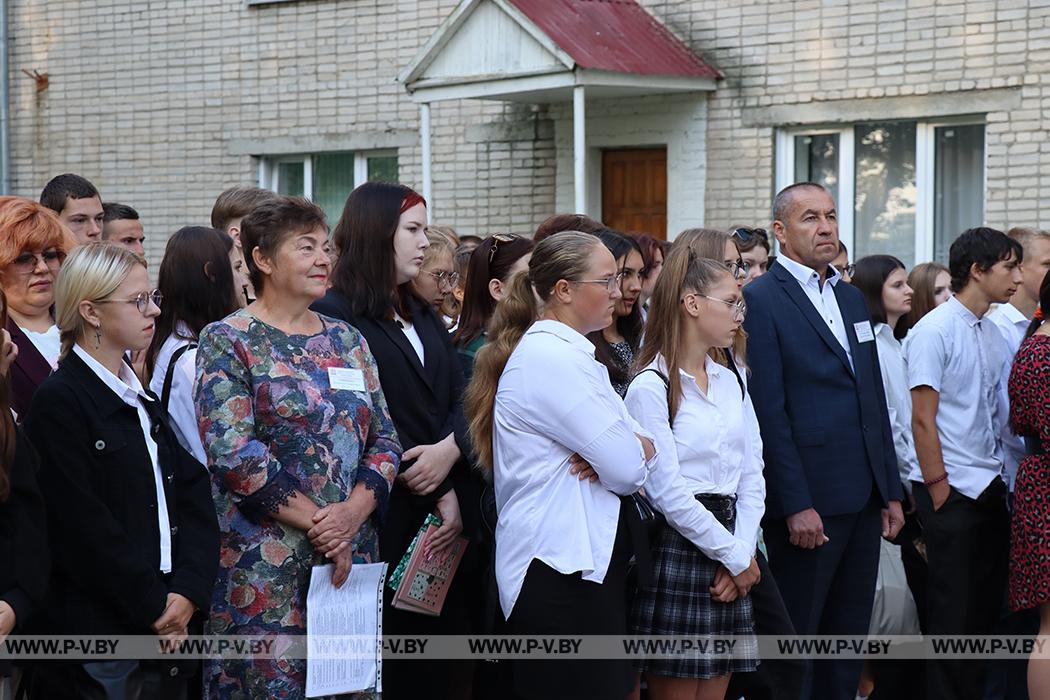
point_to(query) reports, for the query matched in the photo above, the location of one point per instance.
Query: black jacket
(98, 485)
(23, 538)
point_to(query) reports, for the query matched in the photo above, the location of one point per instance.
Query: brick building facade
(928, 116)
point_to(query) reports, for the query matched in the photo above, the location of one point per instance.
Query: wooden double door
(634, 190)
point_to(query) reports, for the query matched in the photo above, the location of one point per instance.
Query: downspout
(5, 105)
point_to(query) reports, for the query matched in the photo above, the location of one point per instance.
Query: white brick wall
(146, 98)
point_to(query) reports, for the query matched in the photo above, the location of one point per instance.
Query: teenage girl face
(942, 288)
(732, 256)
(896, 294)
(649, 283)
(410, 240)
(630, 266)
(758, 259)
(718, 318)
(124, 325)
(434, 280)
(593, 303)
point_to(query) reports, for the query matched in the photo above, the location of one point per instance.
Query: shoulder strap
(731, 364)
(169, 376)
(667, 386)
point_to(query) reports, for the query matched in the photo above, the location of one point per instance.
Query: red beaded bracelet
(938, 480)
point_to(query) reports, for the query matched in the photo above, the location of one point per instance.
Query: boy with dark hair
(121, 226)
(956, 362)
(78, 205)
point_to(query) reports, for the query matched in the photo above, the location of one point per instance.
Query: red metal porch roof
(614, 35)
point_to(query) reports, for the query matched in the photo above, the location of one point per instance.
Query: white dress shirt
(1012, 325)
(712, 448)
(898, 401)
(129, 389)
(822, 297)
(555, 399)
(180, 403)
(409, 329)
(961, 357)
(48, 344)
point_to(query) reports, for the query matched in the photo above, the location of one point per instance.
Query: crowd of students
(694, 439)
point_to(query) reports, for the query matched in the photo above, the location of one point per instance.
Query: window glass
(885, 190)
(958, 181)
(817, 160)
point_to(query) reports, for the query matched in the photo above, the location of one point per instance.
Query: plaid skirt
(678, 603)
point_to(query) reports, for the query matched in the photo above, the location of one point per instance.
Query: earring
(98, 336)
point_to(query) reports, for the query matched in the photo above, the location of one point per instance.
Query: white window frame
(925, 158)
(269, 173)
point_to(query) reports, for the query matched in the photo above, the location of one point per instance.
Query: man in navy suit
(830, 464)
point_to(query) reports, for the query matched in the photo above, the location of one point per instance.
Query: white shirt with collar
(181, 409)
(961, 357)
(712, 448)
(129, 389)
(1012, 324)
(554, 399)
(898, 401)
(822, 297)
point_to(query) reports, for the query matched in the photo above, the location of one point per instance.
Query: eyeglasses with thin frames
(846, 270)
(141, 300)
(739, 270)
(738, 308)
(28, 261)
(445, 278)
(611, 284)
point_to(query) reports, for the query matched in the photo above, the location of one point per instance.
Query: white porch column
(424, 132)
(579, 149)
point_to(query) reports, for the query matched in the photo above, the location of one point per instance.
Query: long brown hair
(8, 436)
(492, 259)
(566, 256)
(921, 279)
(710, 243)
(684, 271)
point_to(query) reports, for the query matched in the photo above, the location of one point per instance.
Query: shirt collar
(960, 310)
(807, 275)
(1013, 314)
(127, 386)
(564, 332)
(713, 368)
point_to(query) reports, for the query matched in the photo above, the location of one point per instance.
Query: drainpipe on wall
(5, 105)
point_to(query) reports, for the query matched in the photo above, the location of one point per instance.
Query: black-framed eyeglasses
(141, 300)
(748, 234)
(846, 270)
(448, 278)
(739, 269)
(611, 283)
(498, 238)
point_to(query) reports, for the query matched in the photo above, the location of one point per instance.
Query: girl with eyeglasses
(707, 479)
(537, 398)
(131, 525)
(616, 344)
(437, 277)
(33, 244)
(753, 244)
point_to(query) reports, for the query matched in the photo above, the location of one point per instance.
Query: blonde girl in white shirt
(537, 397)
(707, 479)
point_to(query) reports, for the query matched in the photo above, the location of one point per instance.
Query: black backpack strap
(731, 364)
(169, 376)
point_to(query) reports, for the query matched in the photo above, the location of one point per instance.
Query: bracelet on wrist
(939, 479)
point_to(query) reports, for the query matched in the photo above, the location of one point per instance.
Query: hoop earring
(98, 336)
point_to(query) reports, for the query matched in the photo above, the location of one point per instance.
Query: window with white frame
(326, 178)
(913, 186)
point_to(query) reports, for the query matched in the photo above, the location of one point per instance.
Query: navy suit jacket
(825, 428)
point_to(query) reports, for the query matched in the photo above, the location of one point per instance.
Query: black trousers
(111, 680)
(829, 590)
(775, 679)
(967, 547)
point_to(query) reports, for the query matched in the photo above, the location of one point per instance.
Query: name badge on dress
(346, 378)
(863, 331)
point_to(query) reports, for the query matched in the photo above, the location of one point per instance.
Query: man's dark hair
(980, 246)
(64, 187)
(782, 201)
(112, 211)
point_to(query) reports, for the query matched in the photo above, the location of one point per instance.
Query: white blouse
(713, 448)
(555, 399)
(898, 401)
(48, 344)
(181, 408)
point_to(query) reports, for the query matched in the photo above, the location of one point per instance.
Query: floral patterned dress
(272, 425)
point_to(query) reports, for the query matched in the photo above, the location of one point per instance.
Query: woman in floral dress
(300, 445)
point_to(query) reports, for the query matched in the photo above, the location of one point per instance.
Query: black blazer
(28, 371)
(825, 427)
(98, 484)
(23, 537)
